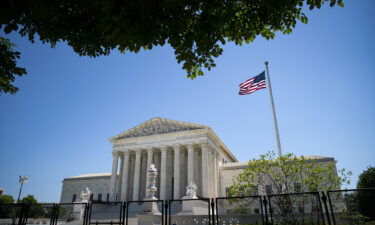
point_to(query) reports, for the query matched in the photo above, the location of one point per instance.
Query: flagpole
(273, 112)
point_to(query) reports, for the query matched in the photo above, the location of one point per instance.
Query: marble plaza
(183, 153)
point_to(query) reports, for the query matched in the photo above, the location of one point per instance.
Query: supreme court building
(182, 153)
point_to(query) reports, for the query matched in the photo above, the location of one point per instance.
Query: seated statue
(191, 190)
(85, 196)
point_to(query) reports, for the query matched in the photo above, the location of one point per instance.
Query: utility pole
(23, 180)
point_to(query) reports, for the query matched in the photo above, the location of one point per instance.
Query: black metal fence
(189, 211)
(239, 210)
(340, 207)
(295, 208)
(353, 206)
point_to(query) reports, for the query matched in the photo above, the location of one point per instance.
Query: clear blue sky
(58, 125)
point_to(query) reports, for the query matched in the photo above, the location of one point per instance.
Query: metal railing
(351, 206)
(189, 211)
(339, 207)
(239, 210)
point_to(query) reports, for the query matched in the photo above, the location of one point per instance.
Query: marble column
(176, 175)
(119, 181)
(163, 175)
(205, 178)
(157, 165)
(209, 168)
(190, 165)
(112, 185)
(150, 156)
(216, 175)
(137, 175)
(125, 177)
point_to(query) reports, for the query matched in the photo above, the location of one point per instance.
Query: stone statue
(85, 196)
(151, 188)
(151, 207)
(79, 209)
(191, 191)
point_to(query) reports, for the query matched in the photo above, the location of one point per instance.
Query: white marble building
(182, 152)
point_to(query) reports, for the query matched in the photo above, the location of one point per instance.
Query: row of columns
(209, 166)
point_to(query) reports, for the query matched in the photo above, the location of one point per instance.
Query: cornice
(159, 137)
(156, 126)
(220, 145)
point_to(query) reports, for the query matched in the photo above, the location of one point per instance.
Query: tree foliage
(284, 172)
(35, 210)
(6, 211)
(196, 30)
(367, 178)
(366, 199)
(8, 66)
(6, 199)
(282, 175)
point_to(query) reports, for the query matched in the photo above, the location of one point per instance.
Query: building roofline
(242, 165)
(88, 176)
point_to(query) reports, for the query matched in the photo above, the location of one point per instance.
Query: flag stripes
(253, 84)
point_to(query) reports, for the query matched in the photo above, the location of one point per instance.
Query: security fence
(145, 212)
(189, 211)
(295, 208)
(106, 213)
(353, 206)
(340, 207)
(12, 214)
(239, 210)
(76, 213)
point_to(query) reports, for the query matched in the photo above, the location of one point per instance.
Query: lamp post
(23, 179)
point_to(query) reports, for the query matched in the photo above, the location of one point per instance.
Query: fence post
(217, 211)
(261, 209)
(321, 208)
(213, 211)
(331, 208)
(270, 207)
(89, 214)
(324, 199)
(265, 208)
(23, 215)
(123, 213)
(166, 212)
(85, 215)
(55, 214)
(120, 219)
(87, 218)
(51, 220)
(127, 213)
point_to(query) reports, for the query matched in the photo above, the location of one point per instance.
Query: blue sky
(58, 125)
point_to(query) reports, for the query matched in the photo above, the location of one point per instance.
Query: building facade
(182, 152)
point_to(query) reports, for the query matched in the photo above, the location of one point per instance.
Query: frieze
(177, 136)
(158, 126)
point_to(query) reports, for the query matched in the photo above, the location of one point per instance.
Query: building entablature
(158, 133)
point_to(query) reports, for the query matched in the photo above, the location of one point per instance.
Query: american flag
(253, 84)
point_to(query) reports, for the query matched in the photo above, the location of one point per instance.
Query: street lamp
(23, 180)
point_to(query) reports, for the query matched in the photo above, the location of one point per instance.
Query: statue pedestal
(188, 207)
(78, 210)
(149, 220)
(193, 207)
(151, 207)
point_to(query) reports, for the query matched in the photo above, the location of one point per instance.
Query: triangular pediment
(157, 126)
